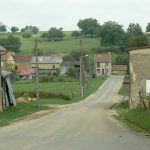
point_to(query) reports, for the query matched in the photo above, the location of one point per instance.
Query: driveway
(87, 125)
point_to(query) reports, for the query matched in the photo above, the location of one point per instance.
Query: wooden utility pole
(81, 71)
(36, 73)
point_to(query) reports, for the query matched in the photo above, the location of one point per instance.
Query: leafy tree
(44, 35)
(134, 29)
(148, 27)
(3, 28)
(76, 34)
(111, 33)
(11, 43)
(35, 29)
(121, 59)
(14, 29)
(73, 73)
(88, 26)
(27, 35)
(55, 34)
(137, 41)
(30, 29)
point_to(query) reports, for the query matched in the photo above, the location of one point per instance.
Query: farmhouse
(102, 64)
(47, 64)
(139, 72)
(68, 64)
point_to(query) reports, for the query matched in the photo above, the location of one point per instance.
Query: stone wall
(139, 72)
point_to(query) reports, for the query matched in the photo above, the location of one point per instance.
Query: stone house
(68, 64)
(47, 64)
(102, 64)
(139, 72)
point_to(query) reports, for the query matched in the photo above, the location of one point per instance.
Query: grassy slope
(65, 46)
(138, 117)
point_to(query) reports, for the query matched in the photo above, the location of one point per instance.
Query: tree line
(109, 33)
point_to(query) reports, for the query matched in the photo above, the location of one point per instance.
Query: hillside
(66, 46)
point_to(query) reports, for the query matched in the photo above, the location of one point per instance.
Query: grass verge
(137, 119)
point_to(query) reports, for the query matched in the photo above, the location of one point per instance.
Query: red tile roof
(119, 67)
(24, 70)
(138, 48)
(19, 58)
(103, 57)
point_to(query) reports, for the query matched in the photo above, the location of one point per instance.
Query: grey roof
(70, 63)
(2, 49)
(47, 60)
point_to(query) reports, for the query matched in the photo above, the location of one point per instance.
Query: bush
(44, 79)
(27, 35)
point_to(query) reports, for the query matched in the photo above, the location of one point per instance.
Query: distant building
(102, 64)
(7, 61)
(68, 64)
(22, 60)
(119, 69)
(139, 71)
(47, 64)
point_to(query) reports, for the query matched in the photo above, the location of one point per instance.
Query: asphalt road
(87, 125)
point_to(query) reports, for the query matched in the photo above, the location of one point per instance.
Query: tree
(55, 34)
(30, 29)
(134, 29)
(88, 26)
(44, 35)
(3, 28)
(73, 73)
(137, 41)
(148, 27)
(11, 43)
(14, 29)
(76, 34)
(111, 33)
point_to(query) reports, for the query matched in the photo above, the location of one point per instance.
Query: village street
(87, 125)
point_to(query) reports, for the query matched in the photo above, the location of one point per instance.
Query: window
(53, 66)
(98, 64)
(98, 71)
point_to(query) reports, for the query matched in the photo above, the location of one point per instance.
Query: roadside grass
(123, 91)
(13, 114)
(137, 119)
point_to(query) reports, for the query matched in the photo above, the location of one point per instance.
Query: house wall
(103, 69)
(118, 72)
(139, 72)
(47, 66)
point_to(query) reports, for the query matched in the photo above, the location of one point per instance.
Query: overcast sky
(66, 13)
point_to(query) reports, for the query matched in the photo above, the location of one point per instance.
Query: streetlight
(3, 51)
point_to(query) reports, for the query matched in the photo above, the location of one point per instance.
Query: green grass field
(10, 115)
(67, 45)
(71, 89)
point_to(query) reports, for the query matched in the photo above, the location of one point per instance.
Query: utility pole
(81, 71)
(36, 73)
